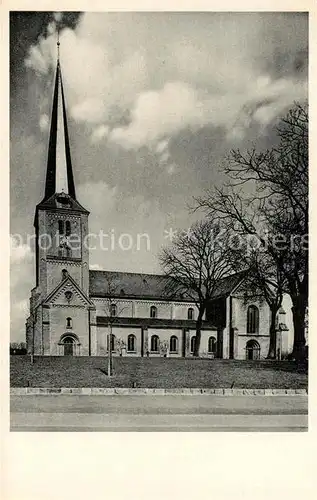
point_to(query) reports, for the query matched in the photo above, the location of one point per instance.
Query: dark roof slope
(62, 201)
(122, 284)
(226, 285)
(146, 286)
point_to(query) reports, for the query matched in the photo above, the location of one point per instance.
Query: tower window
(69, 323)
(68, 228)
(61, 227)
(113, 310)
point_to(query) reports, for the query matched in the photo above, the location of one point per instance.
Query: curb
(111, 391)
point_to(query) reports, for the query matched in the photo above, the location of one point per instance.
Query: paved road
(158, 413)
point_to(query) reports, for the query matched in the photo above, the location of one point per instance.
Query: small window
(61, 227)
(112, 342)
(153, 312)
(69, 322)
(192, 343)
(212, 343)
(173, 343)
(154, 343)
(113, 310)
(68, 228)
(253, 320)
(131, 343)
(190, 313)
(68, 252)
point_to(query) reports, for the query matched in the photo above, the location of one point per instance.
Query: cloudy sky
(155, 101)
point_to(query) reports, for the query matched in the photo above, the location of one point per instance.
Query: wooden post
(109, 350)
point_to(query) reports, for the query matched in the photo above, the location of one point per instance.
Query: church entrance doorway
(252, 350)
(68, 346)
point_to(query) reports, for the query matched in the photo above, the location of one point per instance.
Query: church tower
(62, 255)
(61, 223)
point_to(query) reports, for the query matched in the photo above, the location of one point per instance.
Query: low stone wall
(111, 391)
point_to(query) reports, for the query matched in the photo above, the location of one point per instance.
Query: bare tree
(194, 263)
(265, 281)
(267, 197)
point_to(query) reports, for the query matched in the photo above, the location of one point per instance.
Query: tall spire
(59, 174)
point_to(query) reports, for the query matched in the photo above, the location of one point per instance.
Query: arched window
(192, 343)
(113, 310)
(61, 227)
(154, 343)
(212, 345)
(69, 322)
(153, 312)
(190, 313)
(131, 343)
(112, 342)
(253, 320)
(68, 228)
(173, 343)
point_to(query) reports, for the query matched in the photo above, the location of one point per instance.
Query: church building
(73, 308)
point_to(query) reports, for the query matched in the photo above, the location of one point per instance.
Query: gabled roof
(69, 283)
(132, 285)
(147, 286)
(227, 285)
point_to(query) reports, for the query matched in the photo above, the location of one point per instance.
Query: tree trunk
(299, 313)
(199, 323)
(273, 325)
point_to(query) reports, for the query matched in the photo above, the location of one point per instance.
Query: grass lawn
(155, 372)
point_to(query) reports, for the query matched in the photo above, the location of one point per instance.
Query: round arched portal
(70, 344)
(252, 350)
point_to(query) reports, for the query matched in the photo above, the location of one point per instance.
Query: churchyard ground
(155, 373)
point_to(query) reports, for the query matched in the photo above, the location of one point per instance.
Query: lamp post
(109, 349)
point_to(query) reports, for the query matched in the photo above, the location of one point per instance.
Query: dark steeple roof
(55, 136)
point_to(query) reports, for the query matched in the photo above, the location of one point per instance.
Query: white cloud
(171, 169)
(99, 133)
(114, 61)
(160, 113)
(58, 16)
(44, 122)
(19, 251)
(21, 280)
(90, 111)
(162, 146)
